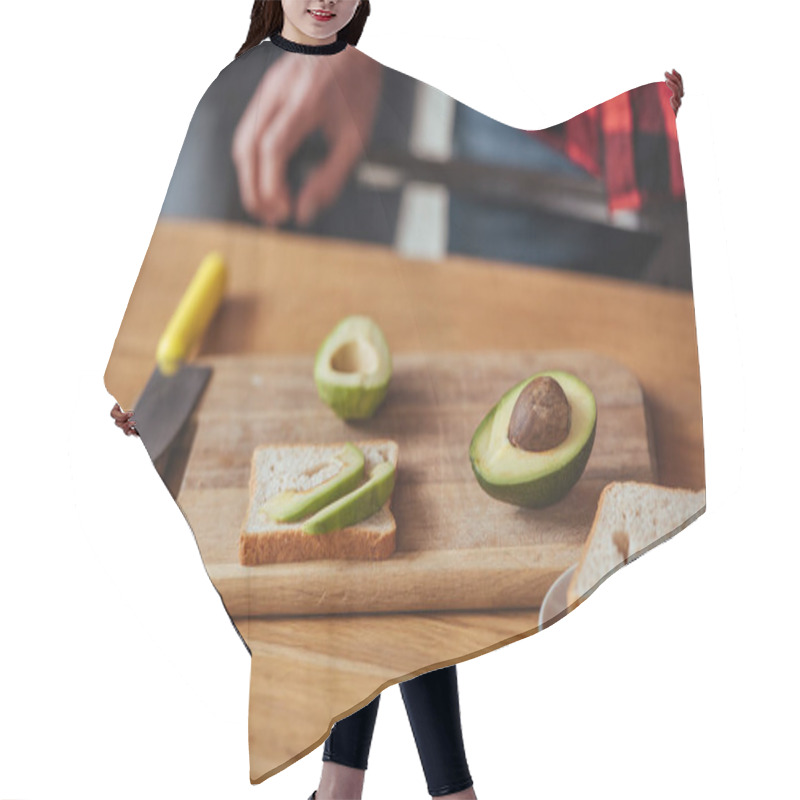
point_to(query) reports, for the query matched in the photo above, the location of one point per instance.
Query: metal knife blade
(175, 388)
(166, 403)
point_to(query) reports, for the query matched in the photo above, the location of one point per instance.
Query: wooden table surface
(315, 670)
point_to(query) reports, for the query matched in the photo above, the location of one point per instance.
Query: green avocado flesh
(534, 479)
(361, 503)
(292, 505)
(353, 367)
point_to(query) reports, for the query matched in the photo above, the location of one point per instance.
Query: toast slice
(277, 468)
(631, 517)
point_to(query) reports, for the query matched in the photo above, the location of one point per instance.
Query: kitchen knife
(175, 387)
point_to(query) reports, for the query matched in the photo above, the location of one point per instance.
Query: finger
(272, 204)
(675, 89)
(289, 127)
(244, 146)
(118, 414)
(674, 78)
(325, 182)
(676, 95)
(245, 159)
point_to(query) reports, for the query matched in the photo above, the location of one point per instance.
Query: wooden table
(310, 661)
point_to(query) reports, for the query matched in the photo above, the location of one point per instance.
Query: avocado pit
(541, 416)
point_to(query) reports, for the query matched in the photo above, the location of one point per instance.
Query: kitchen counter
(326, 667)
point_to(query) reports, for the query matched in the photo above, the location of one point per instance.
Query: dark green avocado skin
(547, 490)
(544, 492)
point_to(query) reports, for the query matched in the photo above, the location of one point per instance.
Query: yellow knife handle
(195, 310)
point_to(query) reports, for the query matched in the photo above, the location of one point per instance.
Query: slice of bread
(277, 468)
(631, 518)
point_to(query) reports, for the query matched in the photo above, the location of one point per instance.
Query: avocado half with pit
(353, 367)
(533, 446)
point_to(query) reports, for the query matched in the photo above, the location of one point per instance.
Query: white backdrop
(120, 674)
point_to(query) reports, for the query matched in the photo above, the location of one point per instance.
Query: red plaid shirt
(630, 141)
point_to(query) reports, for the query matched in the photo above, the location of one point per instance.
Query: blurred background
(600, 193)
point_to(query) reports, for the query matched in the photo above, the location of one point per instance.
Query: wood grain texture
(287, 291)
(342, 663)
(457, 548)
(309, 671)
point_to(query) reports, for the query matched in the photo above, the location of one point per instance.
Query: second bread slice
(631, 517)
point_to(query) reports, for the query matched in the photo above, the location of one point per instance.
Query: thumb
(325, 182)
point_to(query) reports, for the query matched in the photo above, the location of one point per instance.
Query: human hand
(298, 94)
(675, 83)
(124, 420)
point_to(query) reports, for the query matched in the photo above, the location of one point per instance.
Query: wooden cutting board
(457, 548)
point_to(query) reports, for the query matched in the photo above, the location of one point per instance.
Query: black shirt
(310, 49)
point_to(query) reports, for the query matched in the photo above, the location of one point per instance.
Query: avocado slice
(358, 505)
(530, 478)
(292, 505)
(353, 367)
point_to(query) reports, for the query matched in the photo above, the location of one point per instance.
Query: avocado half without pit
(533, 446)
(353, 367)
